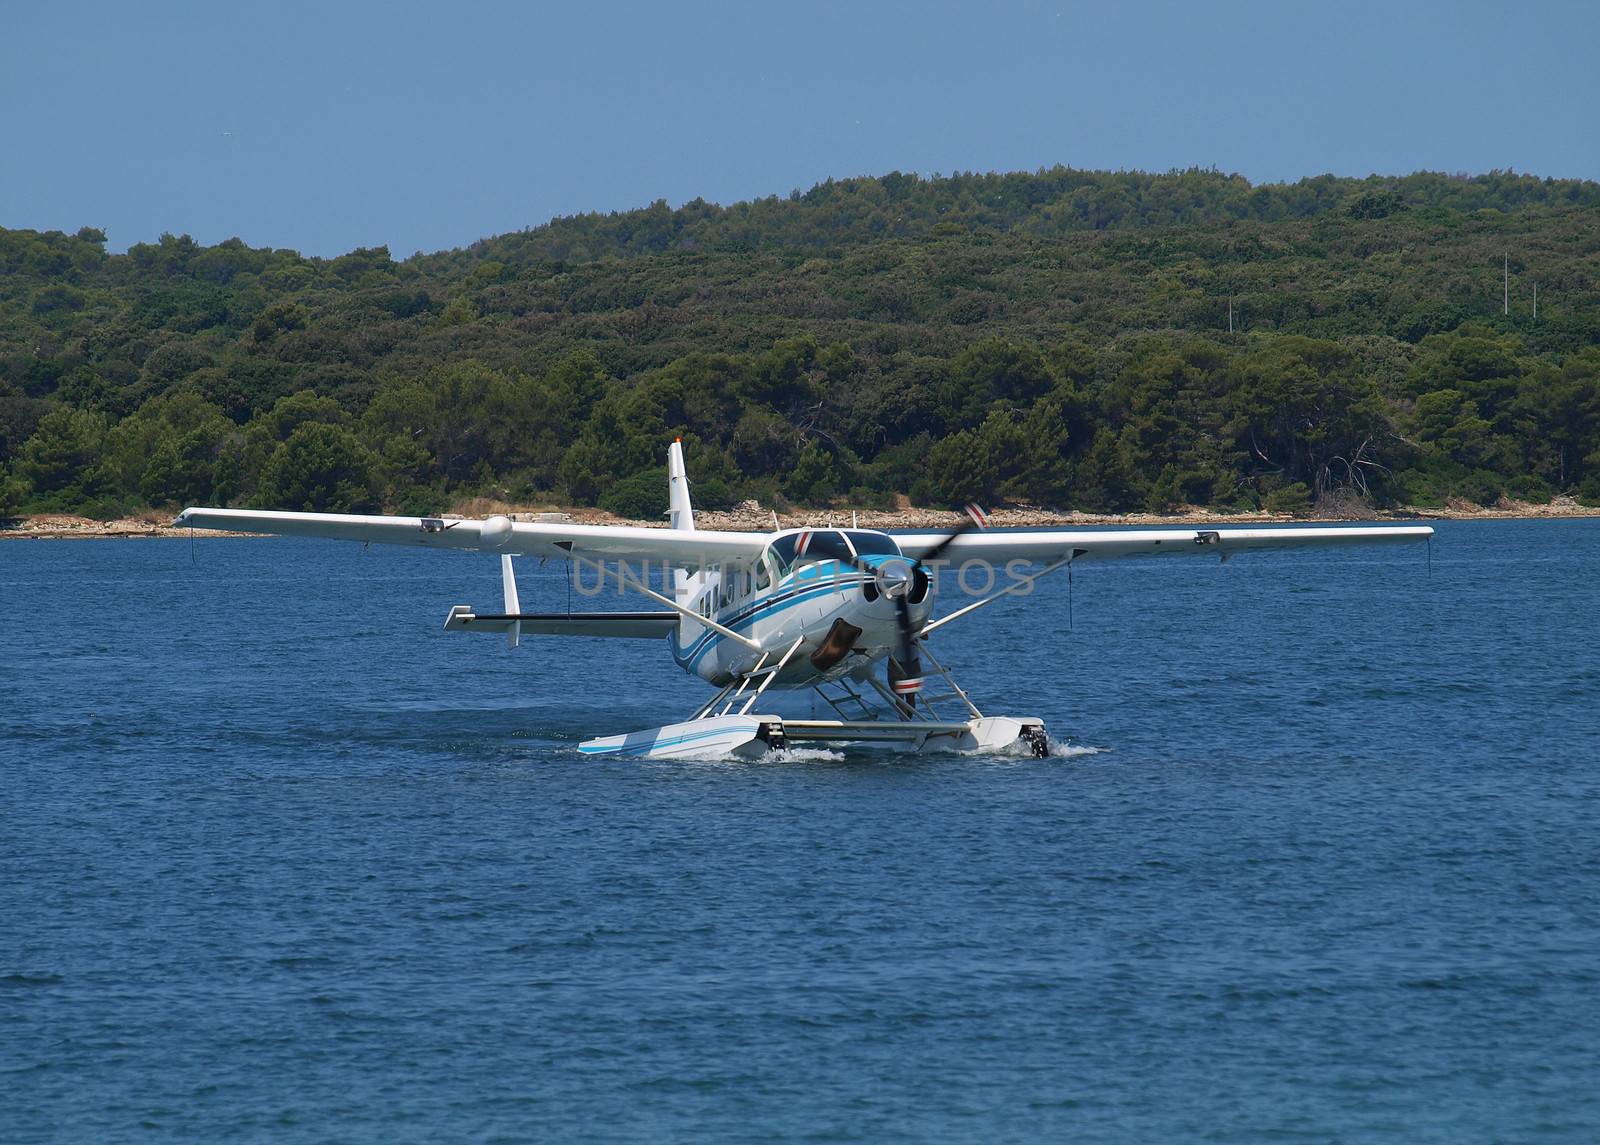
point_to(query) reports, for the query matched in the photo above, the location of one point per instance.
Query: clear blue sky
(327, 126)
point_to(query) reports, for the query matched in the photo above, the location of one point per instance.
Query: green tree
(993, 370)
(639, 497)
(1556, 419)
(1448, 421)
(817, 476)
(1294, 499)
(1041, 472)
(1301, 409)
(183, 468)
(571, 389)
(321, 468)
(62, 460)
(963, 467)
(625, 435)
(465, 415)
(1106, 479)
(11, 495)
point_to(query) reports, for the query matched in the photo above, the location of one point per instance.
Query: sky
(328, 126)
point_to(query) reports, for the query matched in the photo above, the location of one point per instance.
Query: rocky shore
(753, 517)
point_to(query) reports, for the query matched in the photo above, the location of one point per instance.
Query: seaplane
(845, 613)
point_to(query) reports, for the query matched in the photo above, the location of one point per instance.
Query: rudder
(681, 511)
(680, 514)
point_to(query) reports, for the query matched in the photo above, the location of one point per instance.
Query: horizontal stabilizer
(638, 625)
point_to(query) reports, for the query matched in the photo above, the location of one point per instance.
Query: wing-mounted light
(496, 531)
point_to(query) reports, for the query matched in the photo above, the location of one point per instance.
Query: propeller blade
(977, 520)
(905, 645)
(905, 664)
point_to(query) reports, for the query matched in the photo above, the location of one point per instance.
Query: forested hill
(1049, 204)
(1059, 338)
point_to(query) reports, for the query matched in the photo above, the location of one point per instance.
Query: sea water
(1315, 859)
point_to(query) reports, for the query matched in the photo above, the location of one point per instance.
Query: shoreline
(754, 518)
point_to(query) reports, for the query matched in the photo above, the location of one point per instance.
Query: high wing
(1040, 545)
(678, 548)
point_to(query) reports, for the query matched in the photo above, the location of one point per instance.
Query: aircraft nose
(892, 582)
(894, 578)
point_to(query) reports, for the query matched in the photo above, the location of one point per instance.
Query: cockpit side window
(782, 551)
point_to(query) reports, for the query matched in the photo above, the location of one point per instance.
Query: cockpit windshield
(873, 544)
(811, 546)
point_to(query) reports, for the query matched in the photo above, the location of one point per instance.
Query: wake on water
(1073, 750)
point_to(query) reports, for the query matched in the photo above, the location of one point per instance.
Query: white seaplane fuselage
(782, 598)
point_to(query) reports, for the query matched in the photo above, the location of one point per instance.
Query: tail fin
(682, 513)
(680, 516)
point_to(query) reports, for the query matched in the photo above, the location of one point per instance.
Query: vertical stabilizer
(680, 515)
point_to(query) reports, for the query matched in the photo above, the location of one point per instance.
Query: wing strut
(626, 579)
(508, 589)
(1024, 584)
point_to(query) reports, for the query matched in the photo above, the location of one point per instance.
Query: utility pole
(1536, 302)
(1230, 314)
(1505, 306)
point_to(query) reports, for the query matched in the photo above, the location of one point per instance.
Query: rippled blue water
(281, 860)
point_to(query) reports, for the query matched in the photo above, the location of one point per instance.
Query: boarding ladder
(730, 694)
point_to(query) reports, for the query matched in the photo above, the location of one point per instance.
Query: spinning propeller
(898, 581)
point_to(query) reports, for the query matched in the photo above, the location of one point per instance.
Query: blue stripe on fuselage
(830, 576)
